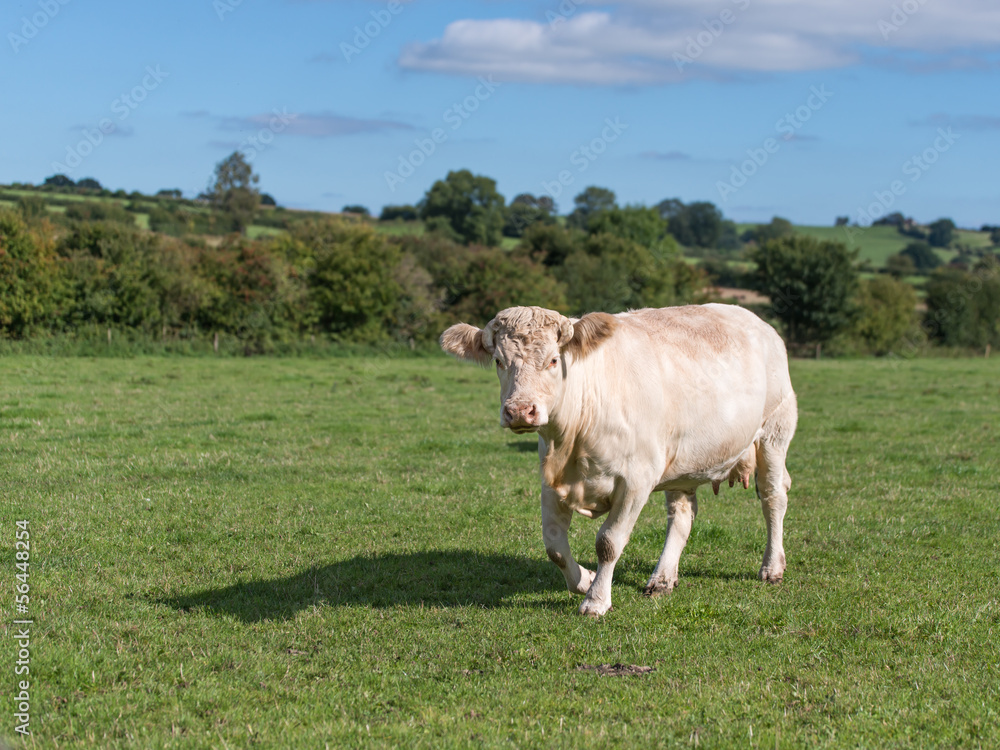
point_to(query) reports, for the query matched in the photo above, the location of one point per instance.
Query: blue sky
(890, 103)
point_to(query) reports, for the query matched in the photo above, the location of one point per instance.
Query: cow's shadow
(456, 578)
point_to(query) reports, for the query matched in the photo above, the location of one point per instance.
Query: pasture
(347, 553)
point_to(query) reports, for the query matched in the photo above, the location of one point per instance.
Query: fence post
(215, 343)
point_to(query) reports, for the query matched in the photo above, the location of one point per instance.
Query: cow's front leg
(556, 518)
(611, 540)
(682, 508)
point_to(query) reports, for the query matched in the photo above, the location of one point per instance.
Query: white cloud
(639, 41)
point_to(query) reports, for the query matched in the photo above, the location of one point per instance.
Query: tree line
(342, 279)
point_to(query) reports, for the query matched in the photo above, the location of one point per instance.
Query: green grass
(346, 552)
(255, 231)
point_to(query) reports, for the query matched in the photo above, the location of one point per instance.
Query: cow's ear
(589, 332)
(466, 342)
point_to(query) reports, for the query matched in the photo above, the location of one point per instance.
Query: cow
(628, 404)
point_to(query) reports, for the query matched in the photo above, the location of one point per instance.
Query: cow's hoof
(590, 608)
(586, 579)
(771, 576)
(658, 588)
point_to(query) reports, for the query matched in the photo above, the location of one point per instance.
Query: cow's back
(697, 382)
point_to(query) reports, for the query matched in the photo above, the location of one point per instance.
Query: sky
(805, 109)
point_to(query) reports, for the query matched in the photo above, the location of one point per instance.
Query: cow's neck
(564, 434)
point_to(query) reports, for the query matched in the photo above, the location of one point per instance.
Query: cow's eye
(497, 363)
(554, 362)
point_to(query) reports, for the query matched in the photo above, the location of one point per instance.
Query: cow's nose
(520, 414)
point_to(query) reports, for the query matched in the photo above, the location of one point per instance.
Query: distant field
(877, 243)
(347, 552)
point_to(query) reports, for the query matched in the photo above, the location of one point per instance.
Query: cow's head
(532, 349)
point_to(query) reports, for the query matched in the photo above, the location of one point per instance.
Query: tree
(591, 201)
(924, 258)
(59, 181)
(811, 285)
(842, 221)
(359, 210)
(549, 244)
(468, 204)
(899, 266)
(729, 237)
(777, 227)
(895, 219)
(942, 232)
(169, 193)
(636, 223)
(995, 236)
(705, 223)
(266, 199)
(886, 312)
(233, 190)
(402, 213)
(699, 224)
(89, 183)
(526, 210)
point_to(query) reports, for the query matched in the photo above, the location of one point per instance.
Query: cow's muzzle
(521, 418)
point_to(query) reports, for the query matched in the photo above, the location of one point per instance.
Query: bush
(473, 283)
(108, 272)
(349, 271)
(963, 308)
(612, 274)
(31, 207)
(886, 314)
(30, 278)
(251, 293)
(99, 211)
(720, 272)
(494, 280)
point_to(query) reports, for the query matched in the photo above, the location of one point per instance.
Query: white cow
(641, 401)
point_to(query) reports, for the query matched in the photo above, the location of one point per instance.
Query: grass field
(347, 552)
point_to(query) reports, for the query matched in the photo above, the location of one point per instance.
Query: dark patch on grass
(261, 417)
(522, 447)
(455, 578)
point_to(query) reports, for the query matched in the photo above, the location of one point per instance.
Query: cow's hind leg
(773, 482)
(682, 508)
(556, 519)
